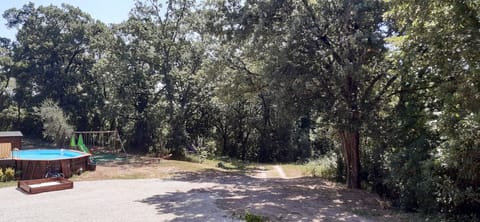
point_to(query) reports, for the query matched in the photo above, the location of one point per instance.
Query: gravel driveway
(195, 196)
(115, 200)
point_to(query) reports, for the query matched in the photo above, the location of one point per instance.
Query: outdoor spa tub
(36, 163)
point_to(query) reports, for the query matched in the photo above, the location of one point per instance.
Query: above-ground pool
(35, 163)
(46, 154)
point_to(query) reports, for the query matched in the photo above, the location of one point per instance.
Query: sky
(107, 11)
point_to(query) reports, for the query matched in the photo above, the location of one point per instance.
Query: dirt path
(260, 172)
(280, 171)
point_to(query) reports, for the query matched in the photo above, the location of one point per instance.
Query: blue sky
(107, 11)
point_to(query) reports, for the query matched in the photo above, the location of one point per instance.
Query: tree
(437, 45)
(254, 121)
(5, 71)
(323, 56)
(53, 58)
(55, 125)
(8, 109)
(156, 63)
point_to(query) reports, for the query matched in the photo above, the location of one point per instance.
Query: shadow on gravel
(301, 199)
(195, 205)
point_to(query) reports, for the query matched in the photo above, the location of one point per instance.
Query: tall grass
(324, 167)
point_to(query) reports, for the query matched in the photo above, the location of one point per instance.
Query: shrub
(2, 177)
(55, 125)
(194, 158)
(457, 166)
(249, 217)
(324, 167)
(9, 174)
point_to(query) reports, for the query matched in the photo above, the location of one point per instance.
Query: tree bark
(351, 156)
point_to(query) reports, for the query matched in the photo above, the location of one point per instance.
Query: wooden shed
(9, 140)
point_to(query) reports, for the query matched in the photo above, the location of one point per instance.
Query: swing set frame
(102, 138)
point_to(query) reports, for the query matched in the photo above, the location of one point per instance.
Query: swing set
(107, 141)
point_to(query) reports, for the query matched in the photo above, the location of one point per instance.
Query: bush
(249, 217)
(8, 116)
(457, 166)
(55, 126)
(2, 177)
(194, 158)
(324, 167)
(9, 174)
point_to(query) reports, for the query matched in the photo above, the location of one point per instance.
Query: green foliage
(53, 59)
(374, 171)
(55, 125)
(204, 149)
(267, 81)
(8, 117)
(5, 73)
(324, 167)
(194, 158)
(153, 68)
(249, 217)
(300, 57)
(457, 163)
(434, 163)
(9, 174)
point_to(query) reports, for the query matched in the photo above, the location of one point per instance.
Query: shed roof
(11, 134)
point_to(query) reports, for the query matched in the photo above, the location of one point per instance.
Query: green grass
(8, 184)
(130, 176)
(249, 217)
(188, 166)
(234, 165)
(229, 164)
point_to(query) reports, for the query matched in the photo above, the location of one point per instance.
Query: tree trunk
(244, 146)
(141, 137)
(178, 137)
(225, 144)
(265, 139)
(351, 156)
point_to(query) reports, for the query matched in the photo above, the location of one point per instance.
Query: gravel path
(195, 196)
(116, 200)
